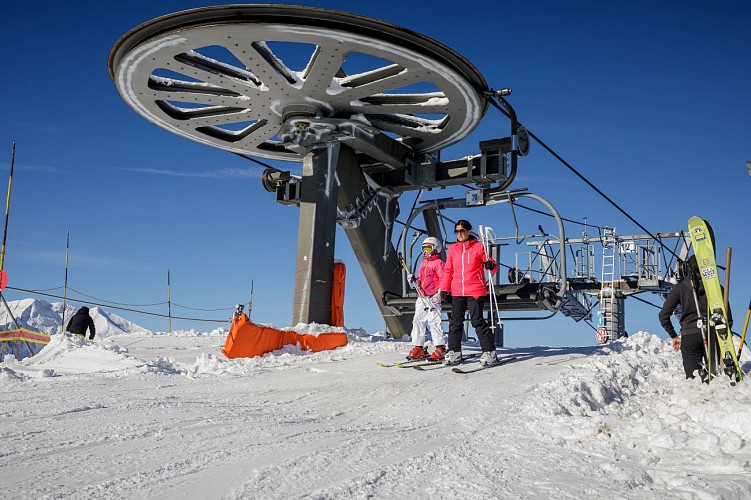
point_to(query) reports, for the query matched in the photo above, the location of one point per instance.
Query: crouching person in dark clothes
(80, 322)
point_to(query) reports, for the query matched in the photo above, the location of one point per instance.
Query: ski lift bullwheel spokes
(229, 77)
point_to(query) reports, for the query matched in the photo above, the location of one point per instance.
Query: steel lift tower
(366, 110)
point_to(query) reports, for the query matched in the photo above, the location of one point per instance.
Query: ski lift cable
(582, 177)
(147, 313)
(572, 221)
(254, 160)
(646, 302)
(551, 215)
(50, 289)
(414, 204)
(397, 221)
(112, 302)
(200, 309)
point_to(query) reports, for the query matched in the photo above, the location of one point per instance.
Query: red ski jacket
(464, 273)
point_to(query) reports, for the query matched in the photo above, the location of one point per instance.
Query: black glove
(445, 296)
(489, 265)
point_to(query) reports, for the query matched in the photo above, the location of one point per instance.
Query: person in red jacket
(428, 305)
(464, 281)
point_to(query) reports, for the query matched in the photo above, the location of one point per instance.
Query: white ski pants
(428, 310)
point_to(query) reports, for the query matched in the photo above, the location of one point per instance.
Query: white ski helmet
(434, 242)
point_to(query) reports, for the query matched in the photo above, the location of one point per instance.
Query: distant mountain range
(45, 317)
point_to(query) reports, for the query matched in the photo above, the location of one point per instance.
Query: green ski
(716, 314)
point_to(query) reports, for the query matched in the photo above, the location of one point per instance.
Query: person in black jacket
(80, 322)
(690, 342)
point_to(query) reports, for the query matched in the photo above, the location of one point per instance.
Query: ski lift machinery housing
(365, 105)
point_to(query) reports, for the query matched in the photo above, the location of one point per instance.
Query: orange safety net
(248, 340)
(26, 335)
(337, 294)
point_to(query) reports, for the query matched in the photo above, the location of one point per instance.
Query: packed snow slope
(144, 415)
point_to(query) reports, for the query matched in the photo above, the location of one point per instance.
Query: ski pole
(482, 230)
(485, 237)
(420, 294)
(701, 325)
(745, 329)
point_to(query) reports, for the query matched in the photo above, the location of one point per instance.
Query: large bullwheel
(229, 76)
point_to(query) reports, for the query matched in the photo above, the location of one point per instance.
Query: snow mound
(630, 394)
(67, 355)
(608, 380)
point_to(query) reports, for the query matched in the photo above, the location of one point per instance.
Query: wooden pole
(250, 302)
(7, 206)
(169, 305)
(65, 283)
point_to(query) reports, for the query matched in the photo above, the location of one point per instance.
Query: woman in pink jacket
(464, 279)
(428, 305)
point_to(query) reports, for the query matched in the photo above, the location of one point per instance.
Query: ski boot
(488, 358)
(453, 358)
(438, 355)
(417, 352)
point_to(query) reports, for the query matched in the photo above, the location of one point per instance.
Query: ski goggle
(427, 248)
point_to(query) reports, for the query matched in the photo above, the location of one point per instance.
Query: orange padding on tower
(337, 294)
(247, 340)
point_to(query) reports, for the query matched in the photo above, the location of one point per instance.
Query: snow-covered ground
(145, 415)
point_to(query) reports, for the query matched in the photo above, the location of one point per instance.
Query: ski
(422, 367)
(716, 313)
(501, 361)
(441, 365)
(405, 364)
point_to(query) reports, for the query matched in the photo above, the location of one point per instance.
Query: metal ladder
(606, 323)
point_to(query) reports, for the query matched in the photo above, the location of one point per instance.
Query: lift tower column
(314, 265)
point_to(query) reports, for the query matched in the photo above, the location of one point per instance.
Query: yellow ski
(716, 313)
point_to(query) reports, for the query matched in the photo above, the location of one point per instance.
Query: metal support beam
(314, 266)
(433, 225)
(370, 238)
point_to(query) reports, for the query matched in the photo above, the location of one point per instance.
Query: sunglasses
(427, 248)
(459, 231)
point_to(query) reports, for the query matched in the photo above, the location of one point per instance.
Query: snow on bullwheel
(244, 78)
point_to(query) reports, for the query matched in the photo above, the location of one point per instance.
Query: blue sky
(650, 101)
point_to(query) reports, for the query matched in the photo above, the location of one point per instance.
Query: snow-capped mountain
(45, 317)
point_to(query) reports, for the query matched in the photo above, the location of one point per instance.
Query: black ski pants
(459, 305)
(692, 351)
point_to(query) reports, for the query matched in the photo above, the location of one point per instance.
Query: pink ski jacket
(429, 274)
(464, 273)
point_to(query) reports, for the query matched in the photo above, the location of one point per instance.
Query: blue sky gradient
(649, 100)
